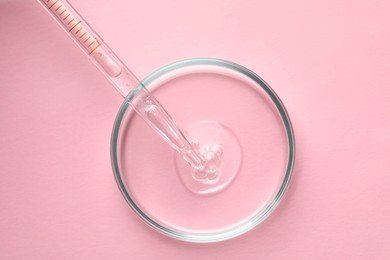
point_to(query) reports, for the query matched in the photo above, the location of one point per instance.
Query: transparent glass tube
(123, 79)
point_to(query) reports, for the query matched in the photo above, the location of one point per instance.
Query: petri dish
(219, 105)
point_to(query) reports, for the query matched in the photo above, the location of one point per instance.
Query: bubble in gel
(212, 155)
(221, 157)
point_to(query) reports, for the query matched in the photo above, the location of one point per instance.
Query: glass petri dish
(219, 103)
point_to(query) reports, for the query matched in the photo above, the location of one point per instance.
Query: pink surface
(328, 60)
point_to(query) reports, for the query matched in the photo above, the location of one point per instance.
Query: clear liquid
(222, 152)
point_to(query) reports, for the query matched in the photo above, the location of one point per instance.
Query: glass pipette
(123, 80)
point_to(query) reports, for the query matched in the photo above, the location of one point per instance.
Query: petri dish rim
(261, 216)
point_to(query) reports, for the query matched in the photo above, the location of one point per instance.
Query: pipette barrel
(91, 43)
(122, 78)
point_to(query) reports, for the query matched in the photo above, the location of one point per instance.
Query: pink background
(328, 60)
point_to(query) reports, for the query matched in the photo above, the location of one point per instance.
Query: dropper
(123, 80)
